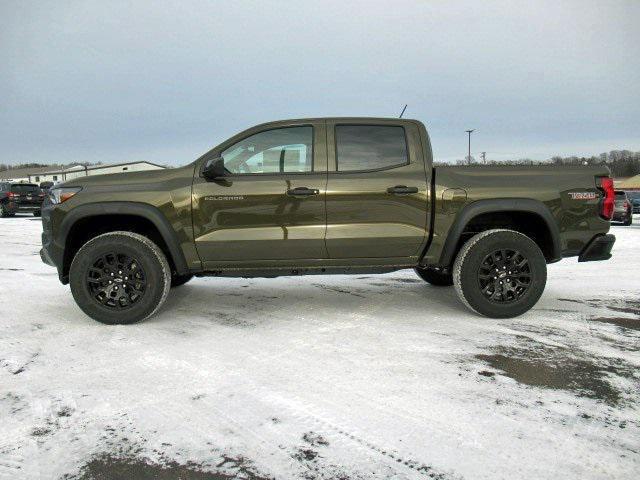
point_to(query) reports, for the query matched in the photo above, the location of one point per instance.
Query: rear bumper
(621, 216)
(15, 207)
(599, 248)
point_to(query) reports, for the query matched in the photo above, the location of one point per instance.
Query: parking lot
(321, 377)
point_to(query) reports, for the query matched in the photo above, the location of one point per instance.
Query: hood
(120, 178)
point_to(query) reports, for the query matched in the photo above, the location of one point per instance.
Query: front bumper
(51, 253)
(599, 248)
(44, 256)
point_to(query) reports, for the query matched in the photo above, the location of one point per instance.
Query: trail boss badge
(583, 195)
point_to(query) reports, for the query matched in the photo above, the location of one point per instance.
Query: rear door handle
(402, 190)
(303, 192)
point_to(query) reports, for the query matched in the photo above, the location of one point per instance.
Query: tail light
(12, 195)
(608, 200)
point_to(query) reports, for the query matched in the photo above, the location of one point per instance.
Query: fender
(147, 211)
(499, 205)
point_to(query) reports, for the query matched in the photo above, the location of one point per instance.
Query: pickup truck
(324, 196)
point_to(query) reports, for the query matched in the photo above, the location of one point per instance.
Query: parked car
(623, 210)
(20, 198)
(634, 198)
(324, 196)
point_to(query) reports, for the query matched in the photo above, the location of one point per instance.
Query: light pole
(469, 157)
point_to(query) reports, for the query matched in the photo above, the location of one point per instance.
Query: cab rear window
(22, 188)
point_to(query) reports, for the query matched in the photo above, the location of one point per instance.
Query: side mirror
(214, 169)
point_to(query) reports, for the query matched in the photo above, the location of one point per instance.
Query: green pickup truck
(324, 196)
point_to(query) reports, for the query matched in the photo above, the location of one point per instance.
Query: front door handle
(303, 192)
(402, 190)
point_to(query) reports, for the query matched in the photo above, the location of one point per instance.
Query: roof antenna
(402, 112)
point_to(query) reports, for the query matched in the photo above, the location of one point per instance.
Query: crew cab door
(377, 191)
(271, 203)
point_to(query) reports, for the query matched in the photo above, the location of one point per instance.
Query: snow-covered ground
(321, 377)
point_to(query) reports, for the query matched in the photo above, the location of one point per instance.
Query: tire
(129, 278)
(178, 280)
(504, 250)
(435, 277)
(4, 213)
(629, 221)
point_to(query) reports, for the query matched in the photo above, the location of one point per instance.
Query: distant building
(55, 175)
(630, 183)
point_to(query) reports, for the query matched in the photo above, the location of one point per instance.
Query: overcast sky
(166, 81)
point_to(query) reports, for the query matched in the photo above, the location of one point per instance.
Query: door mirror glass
(214, 168)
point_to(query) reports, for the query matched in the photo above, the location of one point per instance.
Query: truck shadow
(255, 301)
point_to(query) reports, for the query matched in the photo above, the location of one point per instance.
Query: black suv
(634, 198)
(20, 198)
(623, 210)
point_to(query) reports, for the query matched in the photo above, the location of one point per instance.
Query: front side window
(370, 147)
(281, 150)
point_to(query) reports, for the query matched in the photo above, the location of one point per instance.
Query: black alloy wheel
(504, 276)
(116, 280)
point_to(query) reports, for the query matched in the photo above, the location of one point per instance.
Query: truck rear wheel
(500, 273)
(435, 277)
(120, 278)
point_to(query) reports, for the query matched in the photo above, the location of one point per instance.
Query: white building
(47, 174)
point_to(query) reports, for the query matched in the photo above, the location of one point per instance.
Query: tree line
(5, 166)
(622, 163)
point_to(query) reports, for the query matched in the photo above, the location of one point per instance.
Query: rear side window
(22, 188)
(370, 147)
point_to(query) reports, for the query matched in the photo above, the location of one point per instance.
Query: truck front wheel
(500, 273)
(178, 280)
(120, 277)
(435, 277)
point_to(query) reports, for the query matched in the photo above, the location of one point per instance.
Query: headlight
(60, 195)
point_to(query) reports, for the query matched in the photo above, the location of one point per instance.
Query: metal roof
(25, 172)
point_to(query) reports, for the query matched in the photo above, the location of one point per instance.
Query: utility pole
(484, 157)
(469, 157)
